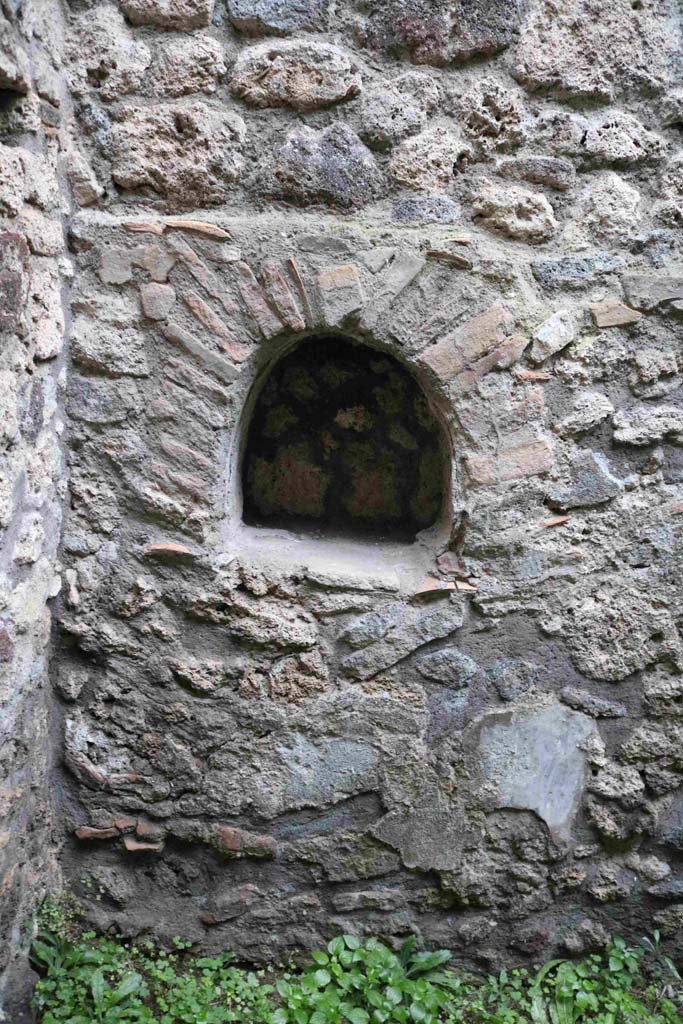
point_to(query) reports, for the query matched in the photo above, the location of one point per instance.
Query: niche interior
(342, 440)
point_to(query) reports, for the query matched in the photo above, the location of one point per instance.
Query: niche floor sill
(341, 561)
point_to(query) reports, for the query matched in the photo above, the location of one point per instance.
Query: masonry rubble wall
(265, 741)
(34, 273)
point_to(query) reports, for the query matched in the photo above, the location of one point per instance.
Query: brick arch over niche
(341, 438)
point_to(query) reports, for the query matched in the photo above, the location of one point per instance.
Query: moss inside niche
(342, 439)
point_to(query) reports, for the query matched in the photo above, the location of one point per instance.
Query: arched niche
(341, 456)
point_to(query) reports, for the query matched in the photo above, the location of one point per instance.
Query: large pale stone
(394, 109)
(619, 630)
(105, 55)
(429, 839)
(583, 51)
(532, 759)
(524, 216)
(649, 291)
(299, 74)
(409, 633)
(186, 65)
(429, 161)
(619, 140)
(190, 155)
(645, 424)
(554, 334)
(111, 353)
(492, 117)
(609, 210)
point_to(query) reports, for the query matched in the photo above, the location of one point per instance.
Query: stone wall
(269, 736)
(33, 274)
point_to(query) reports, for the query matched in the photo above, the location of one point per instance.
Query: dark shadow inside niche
(342, 441)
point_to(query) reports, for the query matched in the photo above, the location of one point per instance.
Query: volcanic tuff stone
(392, 111)
(437, 32)
(188, 65)
(644, 424)
(493, 117)
(277, 17)
(579, 56)
(186, 156)
(180, 15)
(103, 49)
(426, 210)
(575, 271)
(429, 160)
(332, 165)
(301, 75)
(524, 216)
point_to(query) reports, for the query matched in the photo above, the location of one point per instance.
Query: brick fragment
(206, 316)
(234, 842)
(143, 227)
(341, 294)
(500, 358)
(177, 450)
(172, 482)
(458, 349)
(134, 845)
(555, 521)
(530, 459)
(255, 302)
(88, 832)
(125, 824)
(539, 375)
(281, 297)
(157, 300)
(453, 259)
(613, 313)
(199, 227)
(169, 552)
(201, 273)
(211, 361)
(295, 274)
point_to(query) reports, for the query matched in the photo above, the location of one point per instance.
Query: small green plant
(356, 983)
(91, 980)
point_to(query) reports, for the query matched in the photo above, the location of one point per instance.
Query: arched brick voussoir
(463, 356)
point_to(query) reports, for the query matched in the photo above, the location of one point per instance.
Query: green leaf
(407, 950)
(356, 1016)
(130, 984)
(351, 941)
(322, 978)
(393, 995)
(335, 946)
(421, 963)
(97, 987)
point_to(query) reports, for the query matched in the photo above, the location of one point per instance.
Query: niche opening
(342, 442)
